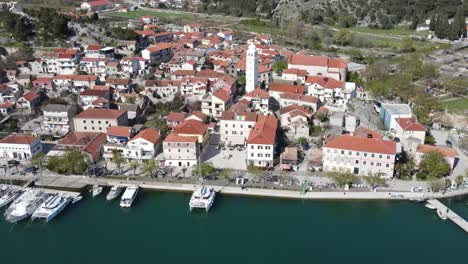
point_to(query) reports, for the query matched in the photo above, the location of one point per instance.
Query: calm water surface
(160, 229)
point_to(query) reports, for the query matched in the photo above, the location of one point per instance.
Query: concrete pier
(458, 220)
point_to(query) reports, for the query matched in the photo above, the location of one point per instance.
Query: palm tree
(118, 159)
(184, 170)
(134, 165)
(149, 167)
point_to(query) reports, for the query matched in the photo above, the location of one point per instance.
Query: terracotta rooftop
(410, 124)
(371, 145)
(18, 139)
(264, 131)
(119, 131)
(174, 137)
(299, 97)
(286, 88)
(222, 94)
(30, 96)
(148, 134)
(101, 113)
(176, 117)
(295, 107)
(325, 82)
(446, 152)
(321, 61)
(191, 127)
(258, 93)
(366, 133)
(239, 116)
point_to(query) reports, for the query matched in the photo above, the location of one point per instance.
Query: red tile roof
(94, 46)
(365, 132)
(222, 95)
(246, 116)
(258, 93)
(321, 61)
(174, 137)
(99, 3)
(90, 142)
(94, 92)
(148, 134)
(287, 88)
(198, 114)
(176, 117)
(6, 105)
(101, 113)
(119, 131)
(325, 82)
(264, 131)
(191, 127)
(410, 124)
(371, 145)
(299, 97)
(446, 152)
(158, 47)
(295, 107)
(298, 72)
(118, 81)
(30, 96)
(18, 139)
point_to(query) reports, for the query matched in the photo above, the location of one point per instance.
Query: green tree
(321, 116)
(346, 21)
(374, 181)
(134, 166)
(429, 70)
(355, 77)
(184, 170)
(313, 40)
(343, 37)
(226, 174)
(118, 159)
(279, 66)
(437, 185)
(342, 177)
(149, 168)
(205, 169)
(459, 180)
(433, 166)
(407, 45)
(241, 80)
(20, 31)
(73, 161)
(459, 23)
(38, 160)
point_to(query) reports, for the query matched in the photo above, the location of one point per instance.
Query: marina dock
(458, 220)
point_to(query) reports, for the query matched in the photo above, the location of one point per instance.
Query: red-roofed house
(90, 143)
(88, 97)
(97, 6)
(259, 99)
(330, 90)
(191, 128)
(156, 54)
(174, 118)
(19, 147)
(410, 133)
(29, 102)
(119, 134)
(360, 156)
(311, 102)
(294, 120)
(216, 103)
(144, 145)
(234, 128)
(6, 108)
(450, 155)
(261, 142)
(181, 151)
(294, 75)
(276, 89)
(162, 88)
(319, 66)
(98, 120)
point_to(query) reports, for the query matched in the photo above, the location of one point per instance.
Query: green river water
(160, 229)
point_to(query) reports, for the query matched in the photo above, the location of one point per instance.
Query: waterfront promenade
(80, 182)
(450, 214)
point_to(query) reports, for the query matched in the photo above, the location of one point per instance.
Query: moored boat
(202, 198)
(442, 215)
(129, 196)
(25, 205)
(9, 196)
(50, 208)
(430, 206)
(97, 190)
(114, 192)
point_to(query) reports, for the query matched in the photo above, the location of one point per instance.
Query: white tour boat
(430, 206)
(129, 196)
(50, 208)
(114, 192)
(442, 215)
(25, 205)
(202, 198)
(9, 196)
(97, 190)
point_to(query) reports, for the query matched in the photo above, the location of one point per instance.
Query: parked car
(448, 143)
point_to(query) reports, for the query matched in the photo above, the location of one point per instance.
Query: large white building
(18, 147)
(98, 120)
(234, 128)
(319, 66)
(410, 133)
(360, 156)
(251, 69)
(261, 142)
(58, 117)
(181, 151)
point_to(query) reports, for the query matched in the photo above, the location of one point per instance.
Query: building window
(342, 152)
(364, 162)
(379, 164)
(380, 156)
(388, 157)
(372, 163)
(356, 161)
(85, 128)
(387, 165)
(350, 153)
(365, 154)
(372, 155)
(357, 153)
(251, 147)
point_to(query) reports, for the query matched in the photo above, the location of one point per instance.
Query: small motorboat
(114, 192)
(97, 190)
(430, 206)
(76, 199)
(442, 215)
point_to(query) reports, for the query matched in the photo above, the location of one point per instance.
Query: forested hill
(378, 13)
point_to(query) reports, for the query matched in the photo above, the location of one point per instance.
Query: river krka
(160, 229)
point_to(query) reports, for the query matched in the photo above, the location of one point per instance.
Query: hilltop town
(193, 103)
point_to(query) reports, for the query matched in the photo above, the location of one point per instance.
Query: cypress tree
(432, 24)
